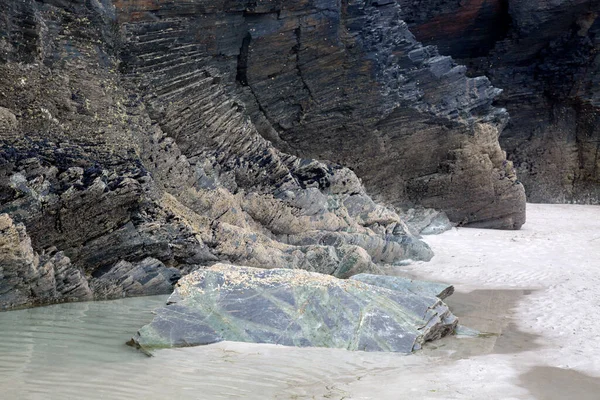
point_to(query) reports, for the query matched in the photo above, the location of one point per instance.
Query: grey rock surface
(119, 145)
(28, 278)
(544, 55)
(347, 84)
(293, 308)
(401, 284)
(426, 221)
(125, 279)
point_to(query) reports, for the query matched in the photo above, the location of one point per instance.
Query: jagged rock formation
(127, 191)
(293, 308)
(28, 278)
(137, 137)
(345, 83)
(125, 279)
(544, 55)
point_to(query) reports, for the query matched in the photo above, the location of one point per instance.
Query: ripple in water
(78, 351)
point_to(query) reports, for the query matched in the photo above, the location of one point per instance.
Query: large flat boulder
(293, 308)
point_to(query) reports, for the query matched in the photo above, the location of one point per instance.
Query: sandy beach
(533, 293)
(536, 291)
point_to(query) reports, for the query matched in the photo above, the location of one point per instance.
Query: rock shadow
(551, 383)
(489, 312)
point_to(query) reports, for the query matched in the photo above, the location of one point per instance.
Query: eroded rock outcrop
(28, 278)
(138, 138)
(342, 82)
(293, 308)
(132, 169)
(544, 55)
(125, 279)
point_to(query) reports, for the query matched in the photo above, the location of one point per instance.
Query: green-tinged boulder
(399, 283)
(293, 308)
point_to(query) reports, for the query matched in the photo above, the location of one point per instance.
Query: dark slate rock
(347, 83)
(125, 279)
(543, 54)
(226, 302)
(28, 278)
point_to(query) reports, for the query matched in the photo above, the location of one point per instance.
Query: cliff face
(345, 82)
(141, 140)
(544, 55)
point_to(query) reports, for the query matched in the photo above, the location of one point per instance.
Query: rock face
(346, 83)
(544, 55)
(141, 137)
(27, 277)
(132, 167)
(293, 308)
(147, 277)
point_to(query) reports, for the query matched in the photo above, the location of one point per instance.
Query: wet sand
(550, 328)
(489, 312)
(549, 383)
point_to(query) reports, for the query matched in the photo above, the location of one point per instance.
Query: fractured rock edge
(544, 57)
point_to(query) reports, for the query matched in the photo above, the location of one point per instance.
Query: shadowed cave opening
(242, 64)
(470, 31)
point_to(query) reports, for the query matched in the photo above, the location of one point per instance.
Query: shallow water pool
(78, 351)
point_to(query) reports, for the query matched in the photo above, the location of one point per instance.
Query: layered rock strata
(134, 195)
(544, 55)
(346, 83)
(293, 308)
(141, 137)
(28, 278)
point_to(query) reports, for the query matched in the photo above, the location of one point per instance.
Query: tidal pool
(78, 351)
